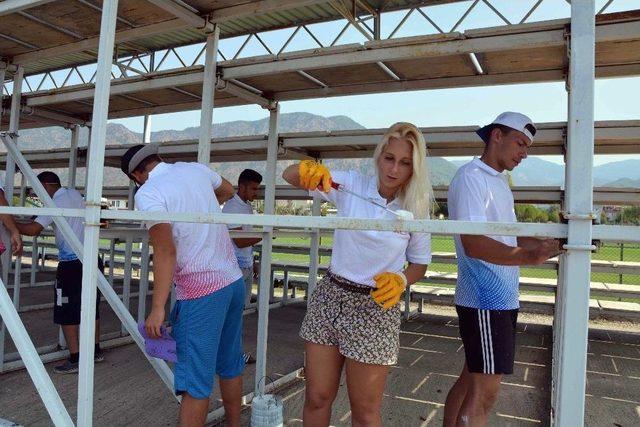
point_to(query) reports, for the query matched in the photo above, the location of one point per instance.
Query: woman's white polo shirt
(359, 255)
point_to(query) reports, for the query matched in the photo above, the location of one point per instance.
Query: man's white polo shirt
(480, 193)
(239, 206)
(204, 253)
(360, 255)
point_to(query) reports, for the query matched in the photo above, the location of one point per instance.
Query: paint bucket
(266, 411)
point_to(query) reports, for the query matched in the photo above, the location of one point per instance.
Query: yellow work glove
(389, 289)
(314, 175)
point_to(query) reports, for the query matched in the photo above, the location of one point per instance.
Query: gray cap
(136, 154)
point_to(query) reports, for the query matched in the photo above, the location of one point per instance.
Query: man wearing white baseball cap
(198, 258)
(486, 298)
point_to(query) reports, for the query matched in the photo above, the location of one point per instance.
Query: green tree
(554, 214)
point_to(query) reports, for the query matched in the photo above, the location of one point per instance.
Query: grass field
(445, 244)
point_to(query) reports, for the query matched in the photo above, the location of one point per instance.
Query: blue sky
(444, 107)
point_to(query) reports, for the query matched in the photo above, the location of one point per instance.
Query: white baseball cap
(135, 155)
(517, 121)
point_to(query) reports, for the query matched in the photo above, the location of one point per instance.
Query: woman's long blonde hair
(416, 195)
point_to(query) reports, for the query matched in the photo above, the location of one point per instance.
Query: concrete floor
(127, 391)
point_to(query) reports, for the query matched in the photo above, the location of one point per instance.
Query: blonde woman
(353, 319)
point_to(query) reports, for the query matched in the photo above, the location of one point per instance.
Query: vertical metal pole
(285, 285)
(568, 403)
(208, 90)
(143, 286)
(73, 157)
(3, 70)
(14, 125)
(87, 158)
(43, 255)
(128, 252)
(146, 133)
(6, 257)
(23, 190)
(314, 249)
(265, 264)
(112, 260)
(34, 261)
(621, 259)
(17, 271)
(95, 173)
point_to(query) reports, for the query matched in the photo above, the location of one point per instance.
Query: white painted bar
(314, 248)
(265, 264)
(573, 297)
(12, 6)
(93, 193)
(208, 90)
(73, 157)
(143, 287)
(14, 125)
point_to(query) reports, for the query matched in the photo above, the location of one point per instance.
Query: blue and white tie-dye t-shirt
(71, 199)
(480, 193)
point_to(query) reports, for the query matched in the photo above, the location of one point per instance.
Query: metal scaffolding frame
(572, 317)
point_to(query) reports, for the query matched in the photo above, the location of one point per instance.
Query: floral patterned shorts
(352, 321)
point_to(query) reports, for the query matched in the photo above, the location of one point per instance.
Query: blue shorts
(208, 334)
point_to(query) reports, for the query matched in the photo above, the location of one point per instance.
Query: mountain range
(533, 171)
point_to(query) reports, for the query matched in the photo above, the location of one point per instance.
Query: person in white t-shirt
(488, 268)
(206, 321)
(68, 286)
(353, 319)
(248, 186)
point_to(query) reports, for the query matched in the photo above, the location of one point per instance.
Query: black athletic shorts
(489, 339)
(67, 293)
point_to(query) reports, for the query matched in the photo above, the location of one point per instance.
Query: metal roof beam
(184, 12)
(243, 93)
(52, 115)
(50, 25)
(18, 41)
(12, 6)
(258, 7)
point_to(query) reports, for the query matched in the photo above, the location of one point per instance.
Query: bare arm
(243, 242)
(414, 272)
(224, 192)
(29, 228)
(292, 175)
(164, 262)
(489, 250)
(10, 223)
(7, 220)
(528, 242)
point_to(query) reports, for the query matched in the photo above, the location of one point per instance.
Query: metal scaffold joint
(272, 105)
(208, 27)
(590, 216)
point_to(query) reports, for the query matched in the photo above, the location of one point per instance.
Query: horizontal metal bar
(184, 12)
(289, 221)
(19, 210)
(11, 6)
(586, 248)
(616, 233)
